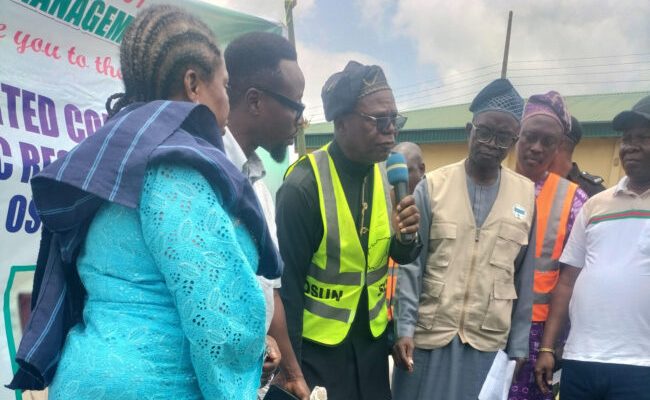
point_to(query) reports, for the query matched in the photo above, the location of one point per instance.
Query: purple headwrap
(550, 104)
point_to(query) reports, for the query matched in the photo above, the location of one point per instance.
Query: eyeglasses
(501, 139)
(548, 142)
(285, 101)
(384, 123)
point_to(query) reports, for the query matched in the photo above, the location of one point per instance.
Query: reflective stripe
(389, 204)
(376, 275)
(333, 277)
(340, 265)
(554, 203)
(374, 312)
(331, 274)
(325, 311)
(541, 298)
(545, 262)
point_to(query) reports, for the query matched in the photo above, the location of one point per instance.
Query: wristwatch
(415, 239)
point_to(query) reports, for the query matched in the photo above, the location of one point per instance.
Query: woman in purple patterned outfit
(546, 120)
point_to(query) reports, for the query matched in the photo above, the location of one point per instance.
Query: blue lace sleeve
(208, 262)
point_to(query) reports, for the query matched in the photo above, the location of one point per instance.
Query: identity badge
(519, 211)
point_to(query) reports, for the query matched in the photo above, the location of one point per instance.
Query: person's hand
(519, 364)
(403, 353)
(271, 360)
(544, 371)
(298, 386)
(407, 217)
(294, 384)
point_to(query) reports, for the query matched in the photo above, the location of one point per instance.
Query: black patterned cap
(342, 90)
(499, 95)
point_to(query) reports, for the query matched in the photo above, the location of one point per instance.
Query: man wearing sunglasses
(334, 227)
(545, 124)
(456, 302)
(266, 85)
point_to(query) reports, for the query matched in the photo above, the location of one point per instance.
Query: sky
(441, 52)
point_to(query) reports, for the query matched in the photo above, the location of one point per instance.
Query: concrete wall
(598, 156)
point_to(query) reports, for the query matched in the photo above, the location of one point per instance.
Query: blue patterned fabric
(174, 310)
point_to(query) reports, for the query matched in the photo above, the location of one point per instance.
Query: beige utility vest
(468, 281)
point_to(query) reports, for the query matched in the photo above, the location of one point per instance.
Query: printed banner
(59, 63)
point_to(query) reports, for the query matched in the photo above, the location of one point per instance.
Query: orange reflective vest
(553, 208)
(391, 284)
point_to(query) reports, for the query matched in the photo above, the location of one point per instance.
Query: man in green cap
(334, 228)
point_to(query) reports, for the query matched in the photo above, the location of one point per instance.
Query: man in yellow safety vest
(335, 234)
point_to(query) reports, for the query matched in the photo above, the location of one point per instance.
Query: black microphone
(398, 176)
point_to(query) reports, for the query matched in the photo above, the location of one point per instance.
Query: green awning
(447, 124)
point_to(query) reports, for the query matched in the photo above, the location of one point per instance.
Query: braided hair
(161, 44)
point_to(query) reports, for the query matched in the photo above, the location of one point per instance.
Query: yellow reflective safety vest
(340, 270)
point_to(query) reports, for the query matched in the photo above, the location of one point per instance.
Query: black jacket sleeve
(300, 230)
(405, 253)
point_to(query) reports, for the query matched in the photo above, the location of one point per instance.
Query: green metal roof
(447, 124)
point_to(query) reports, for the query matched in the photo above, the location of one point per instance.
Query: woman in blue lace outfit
(173, 309)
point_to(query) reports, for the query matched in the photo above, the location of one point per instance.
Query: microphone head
(396, 169)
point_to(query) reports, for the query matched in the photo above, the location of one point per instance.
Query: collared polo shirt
(610, 305)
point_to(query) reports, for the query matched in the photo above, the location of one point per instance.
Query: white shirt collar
(233, 150)
(252, 167)
(622, 188)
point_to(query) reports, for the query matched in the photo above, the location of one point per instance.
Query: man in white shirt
(604, 284)
(265, 89)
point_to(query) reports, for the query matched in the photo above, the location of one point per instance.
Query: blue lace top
(174, 310)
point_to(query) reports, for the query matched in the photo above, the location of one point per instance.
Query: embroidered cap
(342, 90)
(499, 95)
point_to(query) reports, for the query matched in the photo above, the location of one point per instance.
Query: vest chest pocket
(499, 310)
(429, 301)
(442, 240)
(509, 242)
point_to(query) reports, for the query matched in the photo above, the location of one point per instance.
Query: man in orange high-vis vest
(415, 164)
(546, 121)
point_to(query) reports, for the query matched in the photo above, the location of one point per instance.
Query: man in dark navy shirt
(563, 164)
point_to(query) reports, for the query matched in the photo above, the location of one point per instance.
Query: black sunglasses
(384, 123)
(285, 101)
